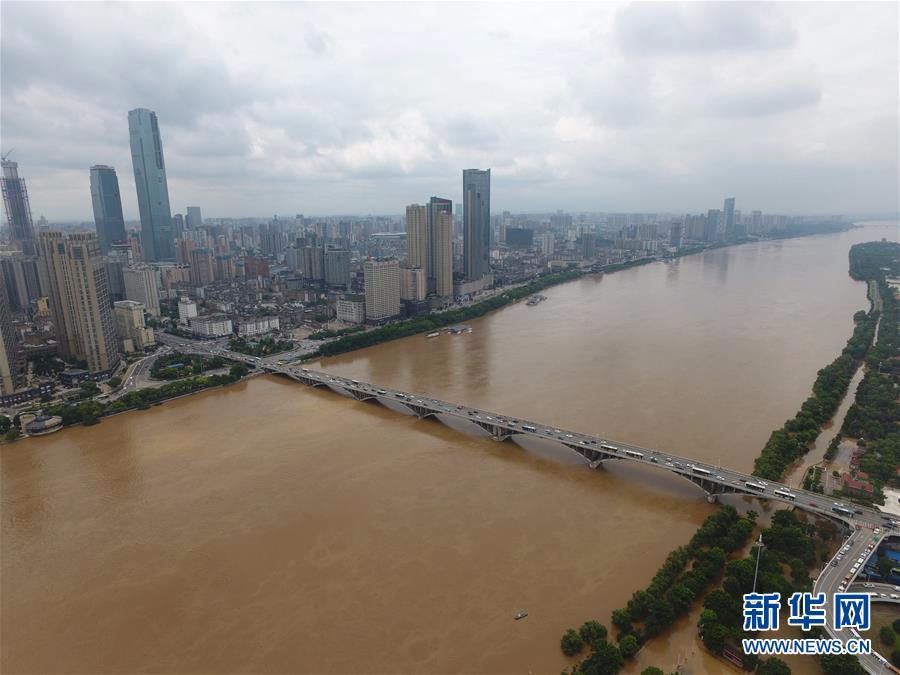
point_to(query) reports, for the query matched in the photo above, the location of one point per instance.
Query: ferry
(535, 299)
(433, 334)
(520, 615)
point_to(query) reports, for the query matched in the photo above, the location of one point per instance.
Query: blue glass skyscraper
(107, 204)
(476, 223)
(152, 188)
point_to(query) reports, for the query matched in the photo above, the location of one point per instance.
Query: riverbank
(90, 411)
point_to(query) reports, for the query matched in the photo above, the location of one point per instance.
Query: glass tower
(476, 223)
(151, 185)
(107, 203)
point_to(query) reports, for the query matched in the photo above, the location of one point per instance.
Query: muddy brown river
(269, 527)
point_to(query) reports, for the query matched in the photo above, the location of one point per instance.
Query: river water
(269, 527)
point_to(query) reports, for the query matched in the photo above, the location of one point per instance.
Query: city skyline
(589, 129)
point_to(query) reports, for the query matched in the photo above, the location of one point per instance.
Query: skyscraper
(440, 247)
(18, 209)
(151, 185)
(476, 223)
(417, 236)
(79, 298)
(107, 201)
(729, 216)
(194, 220)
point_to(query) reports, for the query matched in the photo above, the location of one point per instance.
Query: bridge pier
(712, 498)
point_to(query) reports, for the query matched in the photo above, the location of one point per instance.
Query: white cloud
(337, 107)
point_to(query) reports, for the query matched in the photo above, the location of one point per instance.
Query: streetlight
(758, 552)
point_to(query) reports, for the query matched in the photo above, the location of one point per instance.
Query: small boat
(520, 615)
(431, 335)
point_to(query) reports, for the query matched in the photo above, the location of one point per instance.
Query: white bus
(755, 486)
(635, 454)
(697, 469)
(785, 494)
(611, 448)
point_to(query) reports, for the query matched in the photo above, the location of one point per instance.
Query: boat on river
(520, 615)
(432, 335)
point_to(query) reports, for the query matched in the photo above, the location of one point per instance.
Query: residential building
(202, 270)
(157, 239)
(548, 241)
(337, 267)
(80, 304)
(313, 263)
(476, 223)
(417, 236)
(11, 370)
(18, 209)
(257, 326)
(211, 326)
(255, 266)
(440, 227)
(107, 203)
(142, 285)
(711, 230)
(413, 285)
(133, 331)
(187, 310)
(382, 283)
(351, 308)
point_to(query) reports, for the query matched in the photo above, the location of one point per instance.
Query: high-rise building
(417, 236)
(142, 285)
(107, 202)
(10, 356)
(382, 282)
(313, 263)
(337, 267)
(676, 231)
(130, 326)
(712, 230)
(78, 288)
(588, 245)
(440, 226)
(413, 284)
(18, 208)
(21, 275)
(202, 270)
(152, 187)
(521, 237)
(194, 220)
(547, 243)
(728, 210)
(476, 223)
(187, 310)
(178, 227)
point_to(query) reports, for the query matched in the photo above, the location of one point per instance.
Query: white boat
(432, 335)
(520, 615)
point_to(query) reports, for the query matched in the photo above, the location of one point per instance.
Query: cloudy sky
(342, 108)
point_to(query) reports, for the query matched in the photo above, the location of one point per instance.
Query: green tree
(592, 631)
(5, 424)
(606, 659)
(887, 635)
(895, 657)
(114, 382)
(773, 666)
(628, 646)
(714, 635)
(571, 642)
(652, 670)
(12, 434)
(896, 625)
(840, 664)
